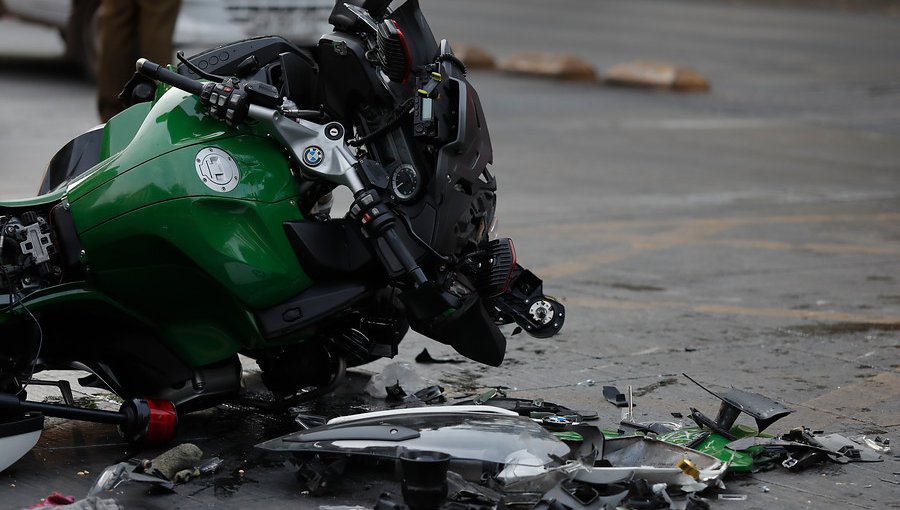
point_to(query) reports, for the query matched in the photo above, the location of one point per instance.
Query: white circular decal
(217, 170)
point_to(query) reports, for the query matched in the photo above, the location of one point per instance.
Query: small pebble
(765, 488)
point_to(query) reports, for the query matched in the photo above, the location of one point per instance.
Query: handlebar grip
(160, 73)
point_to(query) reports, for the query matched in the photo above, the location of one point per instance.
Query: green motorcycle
(195, 226)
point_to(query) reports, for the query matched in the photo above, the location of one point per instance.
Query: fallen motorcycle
(195, 226)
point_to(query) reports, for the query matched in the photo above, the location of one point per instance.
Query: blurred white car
(202, 24)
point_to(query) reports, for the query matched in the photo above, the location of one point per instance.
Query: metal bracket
(64, 388)
(35, 243)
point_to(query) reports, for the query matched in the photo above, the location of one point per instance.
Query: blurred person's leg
(118, 39)
(157, 28)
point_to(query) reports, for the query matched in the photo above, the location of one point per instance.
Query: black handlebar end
(160, 73)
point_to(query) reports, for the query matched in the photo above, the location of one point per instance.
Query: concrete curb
(473, 56)
(548, 65)
(566, 67)
(658, 75)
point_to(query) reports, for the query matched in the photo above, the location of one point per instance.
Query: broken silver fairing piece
(655, 461)
(470, 436)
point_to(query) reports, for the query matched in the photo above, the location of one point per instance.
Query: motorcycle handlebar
(160, 73)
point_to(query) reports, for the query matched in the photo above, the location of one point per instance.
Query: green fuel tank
(184, 226)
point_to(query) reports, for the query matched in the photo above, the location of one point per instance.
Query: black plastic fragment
(614, 396)
(426, 357)
(358, 432)
(431, 394)
(387, 501)
(642, 497)
(763, 409)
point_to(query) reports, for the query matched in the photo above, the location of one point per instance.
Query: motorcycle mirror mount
(363, 15)
(196, 70)
(320, 148)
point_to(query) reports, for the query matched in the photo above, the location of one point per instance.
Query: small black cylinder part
(137, 417)
(727, 415)
(424, 478)
(12, 402)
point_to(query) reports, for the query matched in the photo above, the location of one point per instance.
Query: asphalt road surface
(749, 236)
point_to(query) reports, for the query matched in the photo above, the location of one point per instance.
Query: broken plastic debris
(656, 461)
(117, 474)
(587, 382)
(464, 491)
(847, 448)
(488, 395)
(466, 433)
(879, 444)
(572, 494)
(399, 374)
(426, 357)
(520, 464)
(643, 494)
(763, 409)
(614, 396)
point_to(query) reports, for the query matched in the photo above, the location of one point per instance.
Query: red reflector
(512, 266)
(162, 423)
(405, 51)
(366, 218)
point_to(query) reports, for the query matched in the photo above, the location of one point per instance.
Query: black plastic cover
(224, 60)
(344, 20)
(68, 236)
(349, 433)
(72, 160)
(470, 330)
(308, 307)
(283, 65)
(763, 409)
(331, 249)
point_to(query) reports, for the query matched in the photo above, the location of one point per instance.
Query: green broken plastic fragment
(714, 445)
(487, 395)
(569, 436)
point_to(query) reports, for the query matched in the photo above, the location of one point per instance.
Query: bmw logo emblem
(313, 156)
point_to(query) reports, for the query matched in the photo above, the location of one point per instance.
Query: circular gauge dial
(405, 183)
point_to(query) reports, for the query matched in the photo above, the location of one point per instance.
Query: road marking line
(722, 309)
(665, 234)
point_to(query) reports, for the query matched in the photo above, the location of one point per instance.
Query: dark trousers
(130, 29)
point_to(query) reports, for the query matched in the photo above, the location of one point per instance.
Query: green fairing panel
(241, 245)
(49, 198)
(121, 129)
(714, 445)
(195, 317)
(175, 122)
(66, 294)
(158, 197)
(194, 260)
